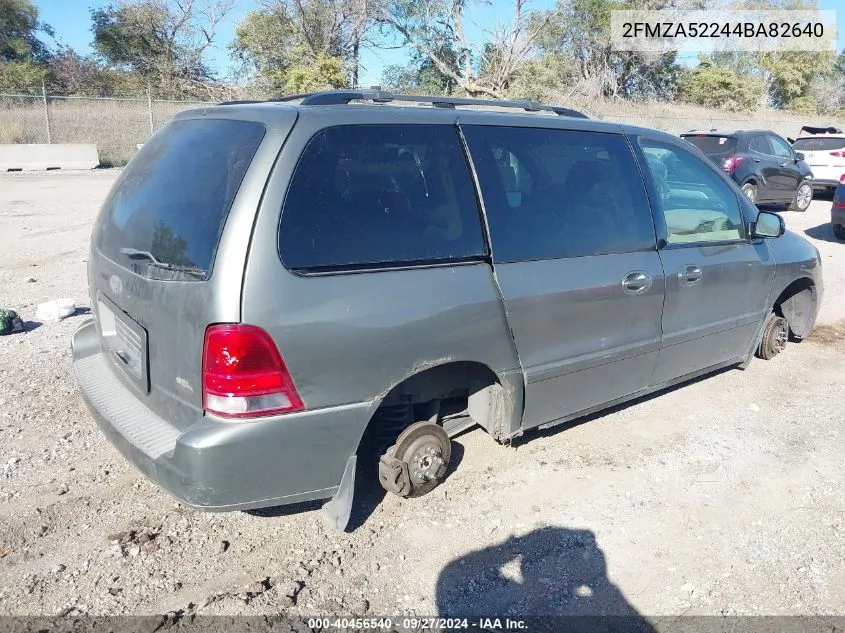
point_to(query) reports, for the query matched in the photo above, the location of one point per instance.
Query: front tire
(803, 197)
(750, 192)
(775, 336)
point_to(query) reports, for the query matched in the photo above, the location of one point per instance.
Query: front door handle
(689, 275)
(636, 282)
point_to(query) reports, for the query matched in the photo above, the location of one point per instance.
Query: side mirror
(768, 224)
(799, 156)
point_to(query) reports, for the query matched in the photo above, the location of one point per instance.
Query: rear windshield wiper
(134, 253)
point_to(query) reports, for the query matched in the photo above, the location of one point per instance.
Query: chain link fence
(117, 125)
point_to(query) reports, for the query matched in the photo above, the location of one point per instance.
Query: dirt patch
(829, 335)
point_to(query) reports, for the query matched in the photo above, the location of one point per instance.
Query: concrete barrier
(21, 157)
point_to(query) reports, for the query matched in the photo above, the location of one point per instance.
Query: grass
(117, 126)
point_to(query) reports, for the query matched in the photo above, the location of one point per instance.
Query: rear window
(380, 195)
(164, 216)
(712, 144)
(818, 144)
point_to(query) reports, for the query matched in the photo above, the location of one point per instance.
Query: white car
(824, 151)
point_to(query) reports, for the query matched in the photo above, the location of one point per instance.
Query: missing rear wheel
(417, 462)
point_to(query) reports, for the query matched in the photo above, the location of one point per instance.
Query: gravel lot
(721, 497)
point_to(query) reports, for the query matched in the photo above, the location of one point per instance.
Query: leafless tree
(430, 26)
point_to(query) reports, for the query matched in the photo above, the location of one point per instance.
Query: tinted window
(170, 203)
(780, 148)
(559, 193)
(712, 144)
(697, 204)
(819, 144)
(760, 144)
(380, 194)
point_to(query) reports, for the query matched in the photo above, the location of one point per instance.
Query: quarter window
(375, 195)
(553, 194)
(697, 204)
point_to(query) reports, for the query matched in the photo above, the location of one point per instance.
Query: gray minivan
(284, 291)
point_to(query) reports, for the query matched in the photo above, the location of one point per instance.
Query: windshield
(164, 216)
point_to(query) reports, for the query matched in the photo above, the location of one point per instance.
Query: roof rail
(343, 97)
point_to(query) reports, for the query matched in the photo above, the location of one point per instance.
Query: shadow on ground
(368, 494)
(548, 573)
(822, 232)
(560, 427)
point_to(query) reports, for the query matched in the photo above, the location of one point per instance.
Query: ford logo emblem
(115, 284)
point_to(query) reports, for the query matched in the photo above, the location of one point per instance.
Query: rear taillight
(842, 179)
(838, 154)
(243, 374)
(731, 163)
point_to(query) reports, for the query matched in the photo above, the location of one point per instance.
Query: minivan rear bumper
(214, 465)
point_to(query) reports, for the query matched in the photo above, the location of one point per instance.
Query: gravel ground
(721, 497)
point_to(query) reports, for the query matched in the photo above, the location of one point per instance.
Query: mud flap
(338, 509)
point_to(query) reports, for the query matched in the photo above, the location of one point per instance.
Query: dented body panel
(557, 337)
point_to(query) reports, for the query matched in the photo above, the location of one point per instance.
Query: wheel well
(797, 305)
(751, 181)
(455, 394)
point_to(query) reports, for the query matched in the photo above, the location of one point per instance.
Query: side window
(760, 144)
(779, 147)
(559, 193)
(378, 195)
(697, 204)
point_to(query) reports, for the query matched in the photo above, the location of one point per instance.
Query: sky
(72, 23)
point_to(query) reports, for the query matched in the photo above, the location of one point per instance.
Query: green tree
(803, 105)
(19, 28)
(582, 32)
(23, 54)
(784, 75)
(292, 43)
(541, 78)
(319, 73)
(164, 41)
(169, 247)
(421, 75)
(69, 73)
(839, 63)
(21, 76)
(716, 87)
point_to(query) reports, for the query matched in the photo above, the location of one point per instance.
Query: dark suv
(285, 290)
(763, 164)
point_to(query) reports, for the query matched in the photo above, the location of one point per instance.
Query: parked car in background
(284, 290)
(837, 209)
(824, 152)
(762, 163)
